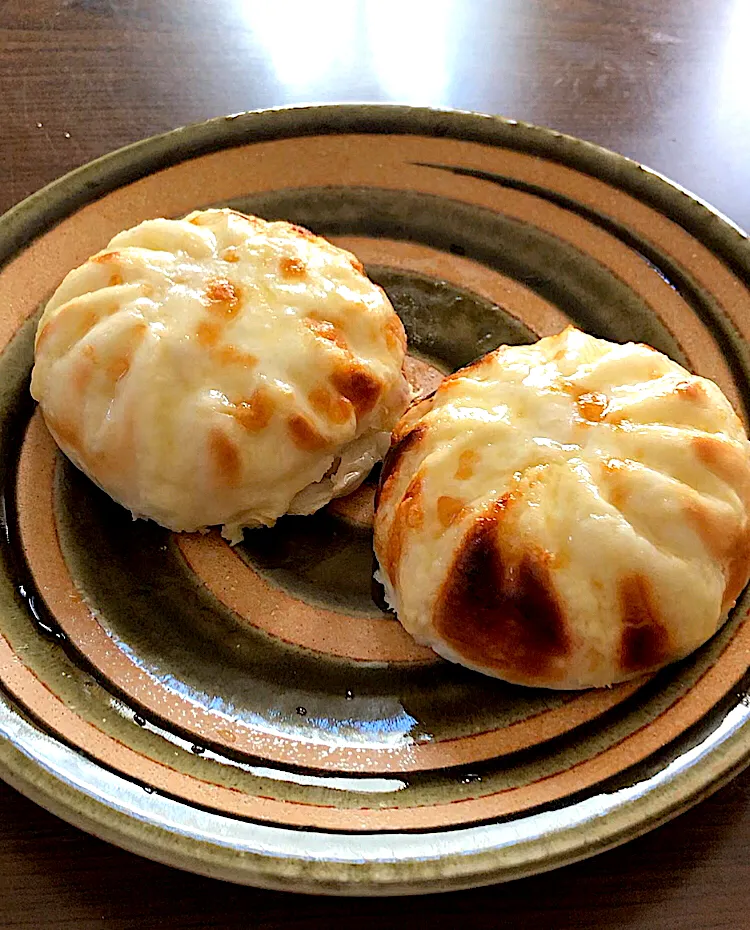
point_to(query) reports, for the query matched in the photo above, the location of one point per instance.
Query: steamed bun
(567, 514)
(220, 369)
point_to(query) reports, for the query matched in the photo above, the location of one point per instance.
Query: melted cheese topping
(220, 369)
(568, 514)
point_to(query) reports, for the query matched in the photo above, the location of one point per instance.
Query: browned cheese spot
(207, 333)
(222, 296)
(231, 355)
(727, 543)
(118, 367)
(467, 463)
(255, 413)
(83, 372)
(449, 509)
(226, 458)
(119, 364)
(230, 254)
(409, 516)
(106, 257)
(83, 323)
(503, 614)
(292, 267)
(724, 460)
(730, 464)
(332, 406)
(736, 568)
(592, 406)
(357, 264)
(616, 487)
(304, 434)
(395, 455)
(645, 640)
(324, 329)
(358, 385)
(710, 527)
(115, 280)
(693, 390)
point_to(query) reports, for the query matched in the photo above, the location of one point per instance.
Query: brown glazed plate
(252, 713)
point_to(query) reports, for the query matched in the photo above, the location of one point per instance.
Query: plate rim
(367, 879)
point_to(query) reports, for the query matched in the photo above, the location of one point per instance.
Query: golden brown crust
(400, 448)
(226, 459)
(502, 614)
(409, 516)
(304, 435)
(645, 641)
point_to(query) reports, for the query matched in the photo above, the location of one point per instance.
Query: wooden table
(665, 83)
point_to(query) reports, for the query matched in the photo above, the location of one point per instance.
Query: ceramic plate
(251, 713)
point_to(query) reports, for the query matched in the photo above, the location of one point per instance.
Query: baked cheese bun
(220, 369)
(567, 514)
